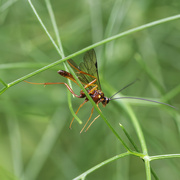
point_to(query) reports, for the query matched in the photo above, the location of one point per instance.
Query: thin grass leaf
(6, 85)
(148, 168)
(51, 13)
(128, 136)
(165, 156)
(83, 176)
(91, 46)
(43, 26)
(53, 20)
(171, 94)
(4, 88)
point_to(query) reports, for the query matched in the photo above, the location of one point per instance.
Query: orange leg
(91, 123)
(48, 83)
(76, 113)
(93, 119)
(79, 96)
(87, 120)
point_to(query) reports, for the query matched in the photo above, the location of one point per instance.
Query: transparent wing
(87, 71)
(89, 65)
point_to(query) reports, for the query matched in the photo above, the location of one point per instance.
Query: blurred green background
(35, 141)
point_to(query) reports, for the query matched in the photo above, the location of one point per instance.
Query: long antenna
(144, 100)
(124, 88)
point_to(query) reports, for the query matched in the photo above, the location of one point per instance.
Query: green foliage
(35, 140)
(5, 175)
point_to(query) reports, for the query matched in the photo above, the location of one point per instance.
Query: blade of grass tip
(83, 175)
(45, 29)
(45, 145)
(128, 136)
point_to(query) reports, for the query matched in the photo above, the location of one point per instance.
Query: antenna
(124, 88)
(144, 100)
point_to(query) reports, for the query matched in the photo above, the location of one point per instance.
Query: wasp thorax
(97, 95)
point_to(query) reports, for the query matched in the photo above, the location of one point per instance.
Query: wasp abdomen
(65, 74)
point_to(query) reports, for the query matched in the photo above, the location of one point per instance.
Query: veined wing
(87, 71)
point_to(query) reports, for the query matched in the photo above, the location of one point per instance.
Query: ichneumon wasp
(87, 73)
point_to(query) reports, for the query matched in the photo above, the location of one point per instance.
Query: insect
(87, 73)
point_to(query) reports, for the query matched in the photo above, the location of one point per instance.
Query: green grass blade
(45, 29)
(83, 176)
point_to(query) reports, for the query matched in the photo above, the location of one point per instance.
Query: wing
(87, 71)
(77, 70)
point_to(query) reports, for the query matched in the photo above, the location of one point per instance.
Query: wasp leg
(87, 120)
(76, 113)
